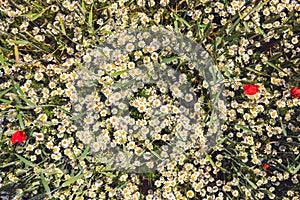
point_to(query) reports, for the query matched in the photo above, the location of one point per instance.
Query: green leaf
(258, 72)
(6, 101)
(7, 164)
(296, 169)
(244, 128)
(38, 15)
(167, 60)
(19, 89)
(100, 27)
(257, 7)
(274, 66)
(24, 42)
(126, 155)
(246, 26)
(24, 160)
(62, 26)
(222, 141)
(85, 69)
(28, 101)
(234, 25)
(282, 126)
(108, 174)
(63, 110)
(36, 4)
(72, 180)
(1, 59)
(202, 25)
(207, 30)
(108, 169)
(24, 107)
(76, 117)
(211, 117)
(21, 121)
(210, 160)
(251, 183)
(176, 25)
(261, 31)
(83, 6)
(227, 73)
(83, 155)
(5, 91)
(182, 20)
(90, 20)
(119, 72)
(45, 184)
(32, 188)
(218, 42)
(156, 154)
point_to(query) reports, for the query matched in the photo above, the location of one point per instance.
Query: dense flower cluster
(148, 107)
(45, 48)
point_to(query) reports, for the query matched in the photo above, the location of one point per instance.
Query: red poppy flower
(250, 89)
(266, 166)
(18, 136)
(295, 92)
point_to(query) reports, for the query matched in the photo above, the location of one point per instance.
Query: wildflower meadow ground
(149, 99)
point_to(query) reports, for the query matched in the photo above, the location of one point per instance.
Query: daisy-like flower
(38, 76)
(42, 117)
(190, 194)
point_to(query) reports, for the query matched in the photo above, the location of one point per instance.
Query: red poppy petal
(18, 136)
(246, 87)
(250, 89)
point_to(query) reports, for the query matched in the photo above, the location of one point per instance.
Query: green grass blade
(24, 160)
(5, 91)
(83, 155)
(72, 180)
(24, 42)
(17, 86)
(119, 72)
(251, 183)
(274, 66)
(45, 184)
(62, 26)
(20, 121)
(296, 169)
(6, 101)
(38, 15)
(90, 20)
(28, 101)
(167, 60)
